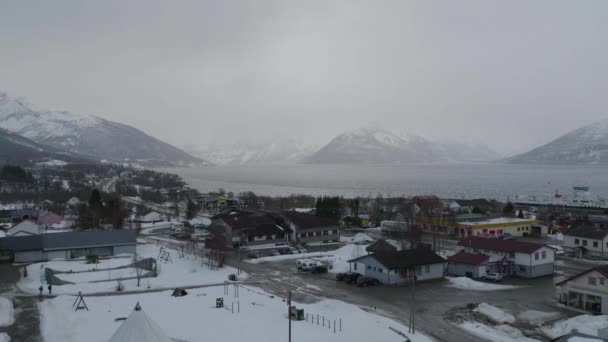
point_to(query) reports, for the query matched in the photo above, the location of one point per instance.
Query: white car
(492, 276)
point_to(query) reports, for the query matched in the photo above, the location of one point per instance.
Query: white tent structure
(139, 327)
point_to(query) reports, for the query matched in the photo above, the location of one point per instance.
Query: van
(302, 263)
(310, 263)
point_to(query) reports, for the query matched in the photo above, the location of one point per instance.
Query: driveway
(27, 320)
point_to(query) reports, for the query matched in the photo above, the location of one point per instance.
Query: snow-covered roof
(139, 327)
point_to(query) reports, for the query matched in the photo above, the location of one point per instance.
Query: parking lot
(433, 299)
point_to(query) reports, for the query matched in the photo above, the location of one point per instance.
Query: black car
(367, 281)
(318, 269)
(348, 277)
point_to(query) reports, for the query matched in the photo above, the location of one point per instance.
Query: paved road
(27, 320)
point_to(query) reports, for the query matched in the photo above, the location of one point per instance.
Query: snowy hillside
(278, 152)
(376, 145)
(14, 147)
(586, 145)
(87, 135)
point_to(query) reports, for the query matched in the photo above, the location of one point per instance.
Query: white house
(587, 290)
(398, 267)
(24, 228)
(151, 217)
(586, 241)
(512, 257)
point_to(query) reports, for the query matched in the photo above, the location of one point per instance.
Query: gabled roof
(405, 258)
(304, 221)
(139, 327)
(587, 231)
(468, 258)
(601, 269)
(494, 244)
(380, 246)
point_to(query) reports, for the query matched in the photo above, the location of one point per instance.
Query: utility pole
(412, 329)
(289, 313)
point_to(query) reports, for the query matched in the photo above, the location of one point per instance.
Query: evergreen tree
(508, 210)
(191, 209)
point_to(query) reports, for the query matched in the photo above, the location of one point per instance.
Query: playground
(154, 267)
(198, 316)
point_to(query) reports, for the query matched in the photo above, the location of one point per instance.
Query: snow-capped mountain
(91, 136)
(376, 145)
(278, 152)
(585, 145)
(15, 148)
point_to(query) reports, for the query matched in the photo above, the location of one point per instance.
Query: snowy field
(7, 312)
(186, 271)
(194, 318)
(4, 337)
(338, 258)
(465, 283)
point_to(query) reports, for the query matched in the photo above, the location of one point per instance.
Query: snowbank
(495, 314)
(362, 238)
(262, 317)
(4, 337)
(7, 312)
(585, 324)
(536, 317)
(499, 333)
(186, 271)
(465, 283)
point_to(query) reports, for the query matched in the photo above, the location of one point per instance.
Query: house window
(427, 268)
(492, 232)
(512, 255)
(518, 228)
(576, 242)
(544, 255)
(592, 280)
(602, 281)
(584, 242)
(522, 269)
(536, 256)
(418, 270)
(595, 244)
(369, 267)
(325, 232)
(355, 266)
(380, 270)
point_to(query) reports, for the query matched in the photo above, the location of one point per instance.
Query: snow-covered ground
(498, 333)
(186, 271)
(4, 337)
(7, 312)
(495, 314)
(585, 324)
(338, 258)
(535, 317)
(465, 283)
(194, 318)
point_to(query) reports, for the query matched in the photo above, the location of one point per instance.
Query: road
(27, 320)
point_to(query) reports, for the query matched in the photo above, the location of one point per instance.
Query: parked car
(493, 276)
(302, 249)
(293, 250)
(282, 251)
(252, 255)
(302, 263)
(505, 236)
(348, 277)
(367, 281)
(274, 252)
(318, 269)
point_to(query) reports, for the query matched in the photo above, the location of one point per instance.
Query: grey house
(311, 228)
(394, 268)
(468, 265)
(68, 245)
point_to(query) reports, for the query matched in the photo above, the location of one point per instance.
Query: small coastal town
(303, 171)
(420, 269)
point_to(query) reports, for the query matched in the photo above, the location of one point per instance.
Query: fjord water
(487, 180)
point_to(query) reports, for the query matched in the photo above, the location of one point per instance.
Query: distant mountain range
(376, 145)
(15, 148)
(90, 136)
(585, 145)
(279, 152)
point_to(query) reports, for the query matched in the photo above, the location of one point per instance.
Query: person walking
(50, 288)
(40, 289)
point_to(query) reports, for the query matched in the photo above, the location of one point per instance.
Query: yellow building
(499, 226)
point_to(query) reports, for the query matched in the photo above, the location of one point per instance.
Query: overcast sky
(511, 74)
